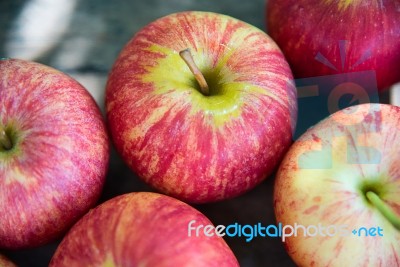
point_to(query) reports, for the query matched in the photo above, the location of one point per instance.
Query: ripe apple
(53, 153)
(141, 229)
(330, 37)
(343, 175)
(201, 105)
(5, 262)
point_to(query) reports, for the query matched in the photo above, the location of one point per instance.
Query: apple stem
(188, 58)
(384, 209)
(5, 141)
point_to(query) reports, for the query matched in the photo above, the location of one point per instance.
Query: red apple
(5, 262)
(330, 37)
(141, 229)
(53, 153)
(342, 177)
(210, 125)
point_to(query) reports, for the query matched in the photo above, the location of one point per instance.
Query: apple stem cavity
(384, 209)
(186, 55)
(5, 141)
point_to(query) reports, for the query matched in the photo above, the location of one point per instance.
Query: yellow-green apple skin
(196, 147)
(142, 229)
(55, 169)
(324, 179)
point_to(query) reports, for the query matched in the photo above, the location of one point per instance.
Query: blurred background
(83, 38)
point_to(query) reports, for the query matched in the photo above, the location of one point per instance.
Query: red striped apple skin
(304, 28)
(141, 229)
(360, 149)
(194, 147)
(56, 169)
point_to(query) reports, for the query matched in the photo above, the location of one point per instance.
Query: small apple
(342, 177)
(53, 153)
(201, 106)
(329, 37)
(5, 262)
(141, 229)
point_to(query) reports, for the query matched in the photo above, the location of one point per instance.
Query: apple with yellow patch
(342, 177)
(201, 105)
(53, 153)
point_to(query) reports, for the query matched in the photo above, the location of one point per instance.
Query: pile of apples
(203, 108)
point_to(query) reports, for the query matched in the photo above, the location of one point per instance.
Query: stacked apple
(343, 171)
(343, 174)
(141, 229)
(203, 112)
(328, 37)
(54, 153)
(201, 106)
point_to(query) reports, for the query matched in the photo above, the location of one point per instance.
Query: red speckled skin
(141, 229)
(183, 151)
(307, 27)
(57, 168)
(310, 195)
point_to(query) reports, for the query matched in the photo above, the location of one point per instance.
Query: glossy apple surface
(141, 229)
(330, 37)
(54, 170)
(325, 179)
(197, 147)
